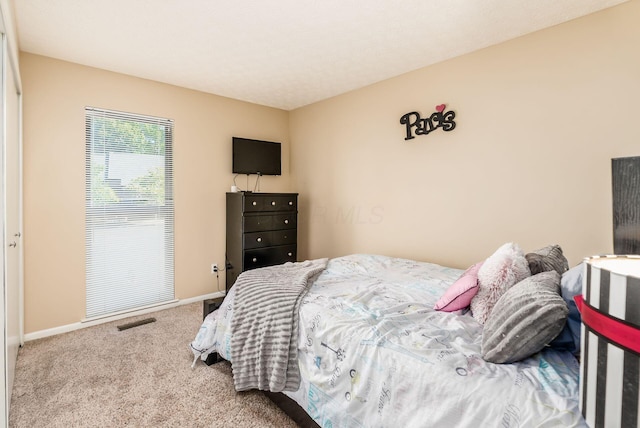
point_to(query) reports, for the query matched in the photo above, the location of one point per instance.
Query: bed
(371, 350)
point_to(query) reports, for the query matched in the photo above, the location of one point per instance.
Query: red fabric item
(609, 327)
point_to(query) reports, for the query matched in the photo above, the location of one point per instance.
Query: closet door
(11, 216)
(4, 250)
(13, 222)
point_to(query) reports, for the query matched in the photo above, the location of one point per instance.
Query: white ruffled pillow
(503, 269)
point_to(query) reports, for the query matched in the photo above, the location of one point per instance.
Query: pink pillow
(459, 294)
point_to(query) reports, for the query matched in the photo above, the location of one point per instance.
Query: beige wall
(55, 95)
(538, 120)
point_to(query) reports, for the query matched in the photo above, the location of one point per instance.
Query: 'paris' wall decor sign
(416, 125)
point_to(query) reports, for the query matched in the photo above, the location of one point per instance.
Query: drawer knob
(254, 203)
(254, 260)
(273, 203)
(286, 222)
(290, 254)
(290, 203)
(259, 239)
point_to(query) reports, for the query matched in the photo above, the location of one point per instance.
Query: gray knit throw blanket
(264, 328)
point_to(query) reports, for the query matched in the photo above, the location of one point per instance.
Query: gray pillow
(547, 258)
(525, 319)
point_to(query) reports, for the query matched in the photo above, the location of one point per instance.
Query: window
(129, 211)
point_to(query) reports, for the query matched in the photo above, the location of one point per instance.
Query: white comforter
(373, 353)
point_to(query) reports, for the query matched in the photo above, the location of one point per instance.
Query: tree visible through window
(129, 211)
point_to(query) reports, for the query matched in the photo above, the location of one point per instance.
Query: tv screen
(256, 157)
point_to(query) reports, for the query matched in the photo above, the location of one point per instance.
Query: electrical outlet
(214, 268)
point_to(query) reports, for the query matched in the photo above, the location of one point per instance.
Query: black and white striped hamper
(610, 344)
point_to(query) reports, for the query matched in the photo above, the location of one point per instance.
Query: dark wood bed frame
(290, 407)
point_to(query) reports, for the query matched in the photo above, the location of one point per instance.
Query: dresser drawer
(258, 240)
(284, 237)
(253, 203)
(269, 256)
(269, 238)
(283, 203)
(285, 221)
(260, 203)
(256, 223)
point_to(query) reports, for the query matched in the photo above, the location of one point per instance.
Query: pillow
(570, 286)
(547, 258)
(525, 319)
(504, 268)
(459, 294)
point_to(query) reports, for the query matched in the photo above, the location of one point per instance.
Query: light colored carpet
(140, 377)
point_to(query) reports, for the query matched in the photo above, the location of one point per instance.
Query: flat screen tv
(256, 157)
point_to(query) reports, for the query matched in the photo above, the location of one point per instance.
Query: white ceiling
(279, 53)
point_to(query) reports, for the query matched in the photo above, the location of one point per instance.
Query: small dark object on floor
(136, 323)
(212, 358)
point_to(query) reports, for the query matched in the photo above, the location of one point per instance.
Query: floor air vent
(136, 323)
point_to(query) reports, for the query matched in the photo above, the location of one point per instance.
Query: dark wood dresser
(262, 230)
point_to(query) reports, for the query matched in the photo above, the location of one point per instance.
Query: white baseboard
(95, 321)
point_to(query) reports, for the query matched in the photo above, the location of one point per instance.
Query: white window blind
(129, 211)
